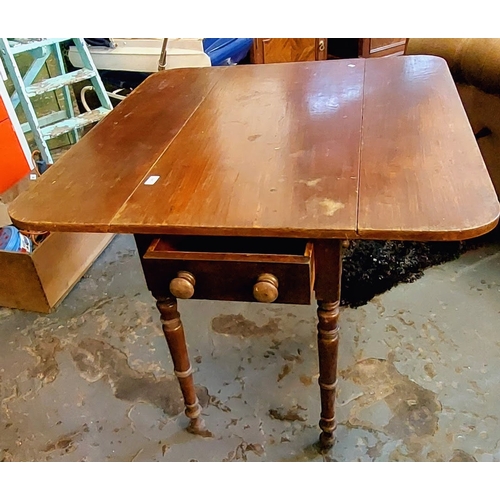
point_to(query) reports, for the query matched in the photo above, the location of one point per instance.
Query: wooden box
(39, 281)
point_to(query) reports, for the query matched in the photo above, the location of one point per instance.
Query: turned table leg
(328, 260)
(174, 333)
(328, 341)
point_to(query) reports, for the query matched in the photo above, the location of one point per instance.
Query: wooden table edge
(429, 235)
(249, 232)
(454, 234)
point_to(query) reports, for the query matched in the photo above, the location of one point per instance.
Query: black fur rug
(373, 267)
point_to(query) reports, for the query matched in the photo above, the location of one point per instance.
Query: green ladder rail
(59, 122)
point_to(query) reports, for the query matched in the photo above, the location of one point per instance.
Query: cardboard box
(39, 281)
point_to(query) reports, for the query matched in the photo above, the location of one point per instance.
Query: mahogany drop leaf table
(241, 183)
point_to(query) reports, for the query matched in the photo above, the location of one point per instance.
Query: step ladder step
(64, 126)
(61, 122)
(46, 120)
(16, 46)
(59, 81)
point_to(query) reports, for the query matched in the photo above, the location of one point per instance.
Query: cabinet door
(275, 50)
(379, 47)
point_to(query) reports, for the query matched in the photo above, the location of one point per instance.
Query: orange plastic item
(13, 163)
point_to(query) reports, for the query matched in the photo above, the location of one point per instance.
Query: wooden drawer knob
(266, 288)
(182, 287)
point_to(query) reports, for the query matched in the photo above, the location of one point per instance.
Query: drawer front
(223, 276)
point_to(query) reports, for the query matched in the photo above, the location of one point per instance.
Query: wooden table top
(377, 148)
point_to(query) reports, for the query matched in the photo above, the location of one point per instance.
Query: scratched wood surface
(272, 151)
(421, 173)
(277, 150)
(86, 187)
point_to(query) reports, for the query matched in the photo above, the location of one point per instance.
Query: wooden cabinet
(379, 47)
(275, 50)
(341, 48)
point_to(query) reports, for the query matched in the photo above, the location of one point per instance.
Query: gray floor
(419, 373)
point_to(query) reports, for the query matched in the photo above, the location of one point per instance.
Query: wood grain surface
(277, 150)
(272, 151)
(88, 185)
(422, 175)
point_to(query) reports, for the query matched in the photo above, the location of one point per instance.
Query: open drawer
(231, 268)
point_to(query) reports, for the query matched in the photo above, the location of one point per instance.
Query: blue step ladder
(59, 122)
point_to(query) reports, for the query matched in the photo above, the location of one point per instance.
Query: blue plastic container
(11, 240)
(226, 51)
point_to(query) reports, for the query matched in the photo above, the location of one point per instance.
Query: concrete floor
(419, 373)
